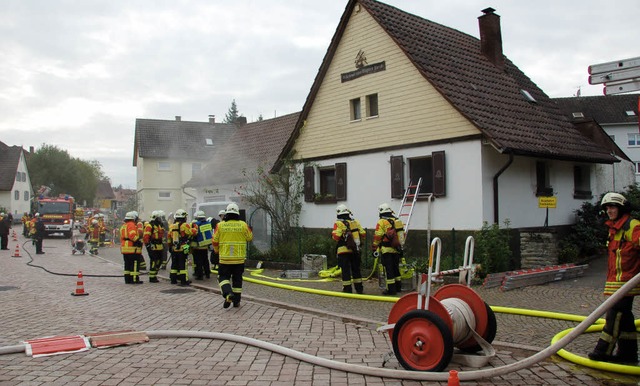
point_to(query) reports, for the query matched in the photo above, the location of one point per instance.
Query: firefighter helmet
(199, 215)
(180, 214)
(232, 208)
(222, 212)
(94, 222)
(384, 208)
(129, 216)
(135, 214)
(613, 198)
(342, 209)
(154, 215)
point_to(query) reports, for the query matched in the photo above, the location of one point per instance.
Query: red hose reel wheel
(485, 318)
(409, 302)
(422, 341)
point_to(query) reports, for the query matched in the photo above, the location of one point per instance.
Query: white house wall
(368, 185)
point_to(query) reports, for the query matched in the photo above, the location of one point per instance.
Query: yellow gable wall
(410, 109)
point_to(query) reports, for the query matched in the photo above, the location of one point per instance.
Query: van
(211, 209)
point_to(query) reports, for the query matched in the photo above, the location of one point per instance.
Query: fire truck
(57, 214)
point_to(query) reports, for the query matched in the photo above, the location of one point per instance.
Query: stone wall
(538, 249)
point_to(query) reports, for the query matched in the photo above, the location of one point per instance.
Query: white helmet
(37, 215)
(613, 198)
(130, 216)
(342, 209)
(94, 222)
(199, 214)
(384, 208)
(180, 213)
(232, 208)
(135, 214)
(222, 212)
(154, 215)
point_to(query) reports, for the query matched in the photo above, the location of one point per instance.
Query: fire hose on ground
(560, 341)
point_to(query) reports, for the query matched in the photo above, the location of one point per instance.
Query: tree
(233, 114)
(63, 174)
(279, 194)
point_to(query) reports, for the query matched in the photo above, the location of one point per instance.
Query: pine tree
(232, 115)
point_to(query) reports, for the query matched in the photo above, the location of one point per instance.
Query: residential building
(167, 154)
(398, 98)
(105, 197)
(16, 192)
(254, 146)
(618, 117)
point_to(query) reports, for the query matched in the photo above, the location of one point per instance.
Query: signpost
(547, 202)
(619, 76)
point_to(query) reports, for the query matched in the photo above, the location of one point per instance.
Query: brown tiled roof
(488, 96)
(604, 109)
(104, 190)
(156, 138)
(252, 145)
(9, 159)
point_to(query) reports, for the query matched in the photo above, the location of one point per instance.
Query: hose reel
(425, 329)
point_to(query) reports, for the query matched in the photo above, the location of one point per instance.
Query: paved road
(36, 302)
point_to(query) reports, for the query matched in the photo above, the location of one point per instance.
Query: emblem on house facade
(361, 59)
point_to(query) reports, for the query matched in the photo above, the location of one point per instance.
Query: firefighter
(4, 231)
(154, 240)
(165, 246)
(130, 247)
(230, 242)
(348, 232)
(26, 218)
(93, 235)
(623, 250)
(390, 255)
(37, 232)
(203, 236)
(102, 229)
(140, 224)
(180, 234)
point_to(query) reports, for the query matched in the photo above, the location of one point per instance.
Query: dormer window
(208, 141)
(527, 95)
(631, 113)
(578, 115)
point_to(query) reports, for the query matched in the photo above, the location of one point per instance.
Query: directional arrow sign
(615, 76)
(620, 88)
(614, 66)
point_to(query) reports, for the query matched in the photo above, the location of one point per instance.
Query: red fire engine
(57, 214)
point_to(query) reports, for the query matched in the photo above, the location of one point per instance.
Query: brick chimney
(491, 37)
(212, 119)
(241, 121)
(178, 118)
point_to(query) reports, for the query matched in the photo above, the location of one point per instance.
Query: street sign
(615, 76)
(547, 202)
(618, 77)
(614, 66)
(611, 89)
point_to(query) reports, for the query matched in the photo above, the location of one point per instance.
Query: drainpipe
(496, 217)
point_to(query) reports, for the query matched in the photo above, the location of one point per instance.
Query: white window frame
(633, 137)
(164, 195)
(164, 166)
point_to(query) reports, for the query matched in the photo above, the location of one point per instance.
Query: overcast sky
(77, 73)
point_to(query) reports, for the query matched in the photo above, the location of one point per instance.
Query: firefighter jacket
(180, 233)
(130, 241)
(93, 231)
(623, 250)
(340, 229)
(153, 236)
(230, 241)
(101, 227)
(204, 234)
(379, 238)
(32, 227)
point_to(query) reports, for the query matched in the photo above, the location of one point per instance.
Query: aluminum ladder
(406, 207)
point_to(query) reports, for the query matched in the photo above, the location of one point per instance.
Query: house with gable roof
(167, 154)
(398, 97)
(252, 146)
(15, 185)
(618, 116)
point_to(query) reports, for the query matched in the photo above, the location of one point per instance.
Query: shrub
(491, 248)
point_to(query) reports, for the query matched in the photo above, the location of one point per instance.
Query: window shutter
(341, 181)
(439, 180)
(397, 176)
(309, 184)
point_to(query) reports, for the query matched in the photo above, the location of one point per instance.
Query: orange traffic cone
(453, 378)
(79, 286)
(15, 237)
(17, 251)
